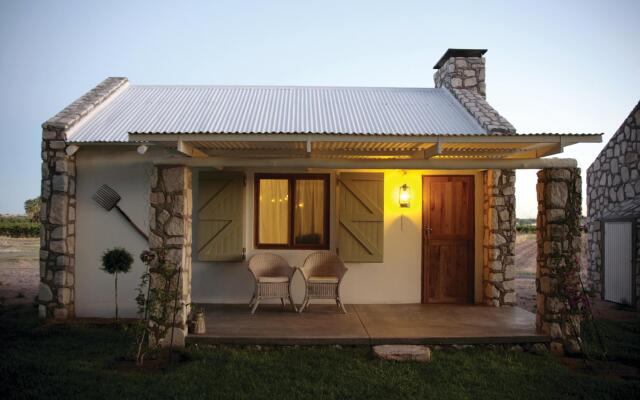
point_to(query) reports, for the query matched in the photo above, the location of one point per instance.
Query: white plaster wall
(97, 230)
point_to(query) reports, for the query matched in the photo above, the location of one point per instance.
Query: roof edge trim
(74, 112)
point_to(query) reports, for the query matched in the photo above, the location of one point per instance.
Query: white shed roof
(271, 109)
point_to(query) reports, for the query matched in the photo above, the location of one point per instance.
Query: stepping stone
(397, 352)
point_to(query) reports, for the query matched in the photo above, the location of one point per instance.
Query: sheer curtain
(309, 212)
(274, 211)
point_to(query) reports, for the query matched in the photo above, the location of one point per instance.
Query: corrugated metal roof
(256, 109)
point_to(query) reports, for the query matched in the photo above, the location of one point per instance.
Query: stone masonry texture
(499, 238)
(558, 271)
(58, 190)
(170, 225)
(613, 191)
(486, 116)
(462, 73)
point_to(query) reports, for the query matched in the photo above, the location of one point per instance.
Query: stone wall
(170, 230)
(613, 191)
(462, 73)
(499, 238)
(558, 271)
(58, 191)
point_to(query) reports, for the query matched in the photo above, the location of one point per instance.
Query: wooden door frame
(424, 298)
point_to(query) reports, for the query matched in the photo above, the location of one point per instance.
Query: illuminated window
(292, 211)
(273, 206)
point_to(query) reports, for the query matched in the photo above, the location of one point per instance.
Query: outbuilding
(613, 201)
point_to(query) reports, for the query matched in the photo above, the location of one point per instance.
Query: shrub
(529, 228)
(15, 227)
(32, 208)
(115, 261)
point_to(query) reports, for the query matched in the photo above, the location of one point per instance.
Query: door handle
(427, 230)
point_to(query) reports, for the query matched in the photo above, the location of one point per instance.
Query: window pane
(309, 212)
(274, 211)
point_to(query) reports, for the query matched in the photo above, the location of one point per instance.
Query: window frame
(291, 178)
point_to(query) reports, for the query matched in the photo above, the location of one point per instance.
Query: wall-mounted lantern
(404, 197)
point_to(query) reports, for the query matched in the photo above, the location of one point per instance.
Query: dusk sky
(552, 66)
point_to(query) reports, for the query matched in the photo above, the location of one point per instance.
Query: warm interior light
(405, 196)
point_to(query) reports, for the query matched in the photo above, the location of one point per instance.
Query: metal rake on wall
(108, 199)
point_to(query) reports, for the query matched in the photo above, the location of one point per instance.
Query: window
(292, 211)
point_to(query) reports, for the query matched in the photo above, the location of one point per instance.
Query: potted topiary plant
(115, 261)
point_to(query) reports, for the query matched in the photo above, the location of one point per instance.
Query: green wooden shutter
(220, 229)
(361, 217)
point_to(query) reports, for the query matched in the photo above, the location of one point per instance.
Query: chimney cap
(458, 53)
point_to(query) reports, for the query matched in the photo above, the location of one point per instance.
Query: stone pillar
(558, 270)
(499, 238)
(170, 231)
(57, 233)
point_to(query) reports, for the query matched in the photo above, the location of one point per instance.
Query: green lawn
(77, 362)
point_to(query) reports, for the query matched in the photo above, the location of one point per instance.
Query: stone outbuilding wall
(499, 241)
(170, 231)
(58, 191)
(613, 191)
(558, 270)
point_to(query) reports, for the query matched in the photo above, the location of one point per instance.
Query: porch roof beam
(190, 150)
(423, 154)
(524, 163)
(432, 151)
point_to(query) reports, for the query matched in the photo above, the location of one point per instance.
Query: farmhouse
(413, 188)
(613, 202)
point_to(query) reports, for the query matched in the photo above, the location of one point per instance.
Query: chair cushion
(323, 279)
(273, 279)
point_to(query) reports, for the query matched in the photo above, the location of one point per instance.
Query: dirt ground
(526, 251)
(19, 270)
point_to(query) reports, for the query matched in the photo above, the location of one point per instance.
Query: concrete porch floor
(368, 324)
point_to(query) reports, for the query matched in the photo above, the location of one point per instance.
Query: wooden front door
(448, 239)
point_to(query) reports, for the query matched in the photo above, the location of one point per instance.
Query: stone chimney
(461, 69)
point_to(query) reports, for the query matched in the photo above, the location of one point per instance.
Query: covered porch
(484, 260)
(369, 324)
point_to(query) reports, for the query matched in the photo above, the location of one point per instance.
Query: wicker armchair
(272, 276)
(322, 272)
